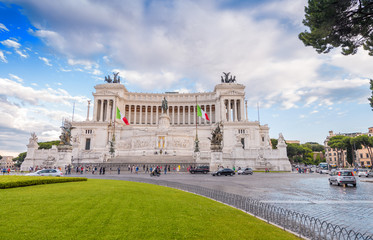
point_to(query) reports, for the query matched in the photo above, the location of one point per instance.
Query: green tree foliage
(48, 145)
(337, 143)
(339, 23)
(19, 160)
(367, 142)
(304, 153)
(314, 146)
(274, 143)
(371, 98)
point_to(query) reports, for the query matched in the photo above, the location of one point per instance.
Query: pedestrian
(100, 170)
(147, 169)
(151, 169)
(81, 169)
(4, 170)
(118, 170)
(137, 169)
(165, 169)
(103, 170)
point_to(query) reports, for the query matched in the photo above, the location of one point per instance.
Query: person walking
(103, 170)
(100, 170)
(165, 169)
(118, 170)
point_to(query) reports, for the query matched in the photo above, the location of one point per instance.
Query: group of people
(5, 170)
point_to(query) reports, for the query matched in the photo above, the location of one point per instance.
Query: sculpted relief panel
(142, 143)
(180, 142)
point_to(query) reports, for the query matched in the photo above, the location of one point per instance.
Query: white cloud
(11, 43)
(86, 63)
(15, 77)
(20, 53)
(45, 60)
(160, 45)
(3, 28)
(34, 97)
(96, 72)
(2, 57)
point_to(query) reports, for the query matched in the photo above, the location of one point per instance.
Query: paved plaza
(309, 194)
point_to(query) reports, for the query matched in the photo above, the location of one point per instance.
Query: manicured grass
(112, 209)
(13, 181)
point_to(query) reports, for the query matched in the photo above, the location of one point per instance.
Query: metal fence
(302, 225)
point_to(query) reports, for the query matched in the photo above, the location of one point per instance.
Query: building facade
(157, 136)
(7, 162)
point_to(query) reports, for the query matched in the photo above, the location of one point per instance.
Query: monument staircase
(155, 159)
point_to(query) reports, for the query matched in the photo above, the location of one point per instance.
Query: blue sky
(53, 53)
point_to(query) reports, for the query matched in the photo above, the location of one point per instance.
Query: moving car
(362, 172)
(342, 177)
(245, 171)
(224, 171)
(200, 169)
(370, 173)
(46, 172)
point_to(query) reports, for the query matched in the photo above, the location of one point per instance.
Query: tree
(48, 145)
(274, 143)
(19, 160)
(371, 98)
(339, 23)
(367, 142)
(314, 146)
(337, 142)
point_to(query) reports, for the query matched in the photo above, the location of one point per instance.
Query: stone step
(156, 159)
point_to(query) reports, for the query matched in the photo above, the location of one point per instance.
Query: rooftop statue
(228, 79)
(116, 78)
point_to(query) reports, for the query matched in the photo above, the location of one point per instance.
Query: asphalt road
(309, 194)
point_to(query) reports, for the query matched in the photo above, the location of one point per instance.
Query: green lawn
(110, 209)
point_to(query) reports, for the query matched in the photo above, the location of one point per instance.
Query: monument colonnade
(230, 109)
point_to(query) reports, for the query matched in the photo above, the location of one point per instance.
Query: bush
(23, 181)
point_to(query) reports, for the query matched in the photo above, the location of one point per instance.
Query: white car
(47, 172)
(362, 172)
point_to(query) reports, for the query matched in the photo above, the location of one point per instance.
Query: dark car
(200, 169)
(224, 171)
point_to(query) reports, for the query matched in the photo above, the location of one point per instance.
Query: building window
(367, 155)
(87, 144)
(88, 131)
(243, 142)
(361, 155)
(262, 139)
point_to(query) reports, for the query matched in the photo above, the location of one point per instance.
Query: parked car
(245, 171)
(200, 169)
(342, 177)
(46, 172)
(370, 173)
(224, 171)
(362, 172)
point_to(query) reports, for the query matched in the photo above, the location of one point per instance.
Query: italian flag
(202, 113)
(121, 116)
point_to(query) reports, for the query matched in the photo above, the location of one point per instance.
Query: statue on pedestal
(164, 105)
(216, 138)
(66, 133)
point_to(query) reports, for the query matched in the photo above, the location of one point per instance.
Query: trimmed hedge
(23, 181)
